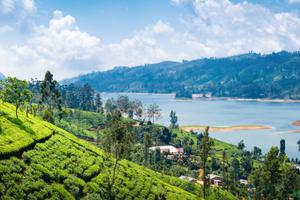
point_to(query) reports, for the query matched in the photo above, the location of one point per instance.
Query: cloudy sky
(73, 37)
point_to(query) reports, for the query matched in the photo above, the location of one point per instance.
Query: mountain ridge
(251, 75)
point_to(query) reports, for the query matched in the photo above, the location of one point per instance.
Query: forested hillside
(276, 75)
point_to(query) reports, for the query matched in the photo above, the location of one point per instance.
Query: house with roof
(168, 149)
(187, 178)
(215, 179)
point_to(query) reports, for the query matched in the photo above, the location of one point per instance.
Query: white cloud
(222, 28)
(7, 6)
(294, 1)
(5, 29)
(29, 5)
(60, 47)
(216, 28)
(17, 6)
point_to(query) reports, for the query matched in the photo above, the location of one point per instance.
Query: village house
(187, 178)
(168, 149)
(243, 182)
(215, 179)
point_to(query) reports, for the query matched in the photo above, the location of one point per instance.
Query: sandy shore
(225, 128)
(295, 131)
(264, 100)
(296, 123)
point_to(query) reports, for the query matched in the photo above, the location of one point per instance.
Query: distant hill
(41, 161)
(252, 75)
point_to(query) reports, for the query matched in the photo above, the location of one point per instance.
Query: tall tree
(282, 147)
(298, 145)
(257, 152)
(110, 105)
(173, 119)
(204, 152)
(118, 140)
(98, 103)
(86, 98)
(147, 143)
(49, 91)
(137, 108)
(241, 145)
(224, 166)
(275, 179)
(16, 91)
(123, 103)
(153, 112)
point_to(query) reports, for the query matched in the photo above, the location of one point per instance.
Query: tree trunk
(204, 180)
(17, 107)
(113, 177)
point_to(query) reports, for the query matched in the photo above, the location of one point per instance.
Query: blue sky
(71, 37)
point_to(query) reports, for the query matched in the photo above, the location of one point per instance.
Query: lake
(226, 113)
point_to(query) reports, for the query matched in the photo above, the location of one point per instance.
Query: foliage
(67, 167)
(173, 119)
(15, 91)
(153, 112)
(204, 151)
(250, 75)
(275, 179)
(49, 92)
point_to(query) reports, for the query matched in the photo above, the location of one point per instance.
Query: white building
(187, 178)
(167, 149)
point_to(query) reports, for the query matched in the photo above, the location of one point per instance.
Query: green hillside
(250, 75)
(41, 161)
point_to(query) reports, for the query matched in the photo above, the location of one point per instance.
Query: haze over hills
(2, 77)
(251, 75)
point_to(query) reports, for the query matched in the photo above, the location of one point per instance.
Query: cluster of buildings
(214, 180)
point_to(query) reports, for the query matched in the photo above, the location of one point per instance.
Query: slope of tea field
(41, 161)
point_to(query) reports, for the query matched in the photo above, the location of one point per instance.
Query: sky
(73, 37)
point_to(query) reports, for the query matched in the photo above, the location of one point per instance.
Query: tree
(241, 145)
(16, 91)
(282, 147)
(298, 145)
(110, 105)
(275, 179)
(118, 140)
(98, 103)
(86, 98)
(204, 152)
(153, 112)
(235, 164)
(147, 143)
(123, 103)
(137, 107)
(246, 163)
(257, 152)
(224, 166)
(49, 91)
(173, 119)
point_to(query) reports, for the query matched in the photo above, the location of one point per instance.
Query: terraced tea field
(41, 161)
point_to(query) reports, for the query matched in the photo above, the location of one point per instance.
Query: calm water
(225, 113)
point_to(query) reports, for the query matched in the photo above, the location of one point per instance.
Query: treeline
(250, 75)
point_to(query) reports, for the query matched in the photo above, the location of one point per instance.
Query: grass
(65, 167)
(218, 147)
(77, 122)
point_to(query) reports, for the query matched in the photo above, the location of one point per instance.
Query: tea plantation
(41, 161)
